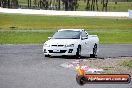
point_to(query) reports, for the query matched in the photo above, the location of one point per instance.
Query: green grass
(127, 64)
(17, 37)
(120, 6)
(8, 22)
(114, 37)
(31, 37)
(109, 30)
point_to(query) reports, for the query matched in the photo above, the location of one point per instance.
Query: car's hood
(62, 41)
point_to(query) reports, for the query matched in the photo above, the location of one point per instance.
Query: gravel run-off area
(109, 65)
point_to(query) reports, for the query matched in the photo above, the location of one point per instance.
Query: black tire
(78, 53)
(81, 80)
(94, 52)
(47, 55)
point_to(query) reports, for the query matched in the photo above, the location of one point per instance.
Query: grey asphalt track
(24, 66)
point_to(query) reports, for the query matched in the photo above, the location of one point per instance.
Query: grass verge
(118, 65)
(127, 64)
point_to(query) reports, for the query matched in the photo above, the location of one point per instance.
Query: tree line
(67, 5)
(9, 3)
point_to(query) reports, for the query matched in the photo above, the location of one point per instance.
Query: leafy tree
(87, 5)
(70, 4)
(14, 4)
(35, 3)
(43, 4)
(96, 1)
(105, 4)
(8, 3)
(29, 3)
(58, 1)
(92, 5)
(65, 4)
(4, 3)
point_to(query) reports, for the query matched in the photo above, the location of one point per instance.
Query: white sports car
(69, 42)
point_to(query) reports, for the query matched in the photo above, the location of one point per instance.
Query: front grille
(54, 45)
(57, 45)
(61, 51)
(60, 45)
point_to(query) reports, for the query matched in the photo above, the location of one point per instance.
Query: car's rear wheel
(78, 53)
(94, 52)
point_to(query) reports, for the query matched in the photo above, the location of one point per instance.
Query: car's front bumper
(59, 51)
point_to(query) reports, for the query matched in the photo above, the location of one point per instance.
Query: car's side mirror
(83, 38)
(49, 37)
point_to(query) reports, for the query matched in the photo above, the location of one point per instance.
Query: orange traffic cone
(81, 71)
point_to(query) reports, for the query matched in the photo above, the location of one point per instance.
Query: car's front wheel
(78, 53)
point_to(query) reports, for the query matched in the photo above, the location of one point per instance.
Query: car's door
(85, 43)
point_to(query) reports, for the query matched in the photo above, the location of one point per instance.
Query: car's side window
(84, 34)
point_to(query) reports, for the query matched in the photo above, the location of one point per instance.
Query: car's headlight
(70, 45)
(46, 45)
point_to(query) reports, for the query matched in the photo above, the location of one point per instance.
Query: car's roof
(71, 29)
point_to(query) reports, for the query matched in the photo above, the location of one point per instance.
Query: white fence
(66, 13)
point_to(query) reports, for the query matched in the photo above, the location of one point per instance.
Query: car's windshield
(67, 34)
